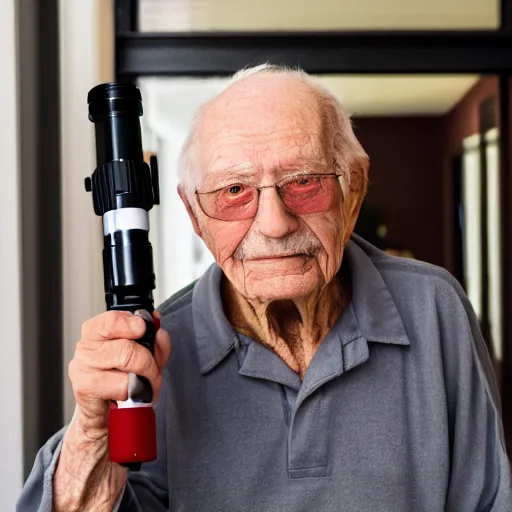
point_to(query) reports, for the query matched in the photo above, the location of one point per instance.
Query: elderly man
(310, 371)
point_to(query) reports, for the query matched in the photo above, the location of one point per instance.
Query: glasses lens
(310, 194)
(302, 195)
(235, 202)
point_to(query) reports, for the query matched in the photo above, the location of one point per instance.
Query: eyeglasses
(300, 194)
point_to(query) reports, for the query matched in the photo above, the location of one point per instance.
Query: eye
(234, 189)
(236, 194)
(302, 183)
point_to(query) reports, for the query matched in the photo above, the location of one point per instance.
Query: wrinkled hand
(85, 479)
(104, 356)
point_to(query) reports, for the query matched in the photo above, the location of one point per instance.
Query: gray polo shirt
(398, 410)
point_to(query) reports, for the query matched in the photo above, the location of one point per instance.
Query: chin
(267, 281)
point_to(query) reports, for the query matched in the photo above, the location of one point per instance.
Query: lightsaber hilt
(124, 188)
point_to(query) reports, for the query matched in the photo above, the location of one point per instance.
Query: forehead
(263, 123)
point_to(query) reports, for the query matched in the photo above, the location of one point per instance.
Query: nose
(273, 219)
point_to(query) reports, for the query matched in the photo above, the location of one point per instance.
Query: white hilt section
(125, 219)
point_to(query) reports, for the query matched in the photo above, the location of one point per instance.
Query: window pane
(471, 196)
(241, 15)
(494, 241)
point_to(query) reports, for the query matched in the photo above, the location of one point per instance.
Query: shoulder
(177, 302)
(428, 297)
(410, 273)
(436, 310)
(411, 278)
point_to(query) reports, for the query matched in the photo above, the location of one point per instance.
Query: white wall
(169, 107)
(86, 59)
(11, 427)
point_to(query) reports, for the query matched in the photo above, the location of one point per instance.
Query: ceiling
(205, 15)
(399, 95)
(360, 95)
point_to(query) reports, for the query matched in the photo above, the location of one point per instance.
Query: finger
(162, 348)
(99, 384)
(123, 354)
(92, 352)
(106, 358)
(112, 325)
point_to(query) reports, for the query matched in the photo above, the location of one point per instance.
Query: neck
(293, 329)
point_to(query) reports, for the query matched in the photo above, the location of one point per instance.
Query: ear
(357, 194)
(190, 211)
(352, 214)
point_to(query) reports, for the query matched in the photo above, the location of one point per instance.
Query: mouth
(281, 257)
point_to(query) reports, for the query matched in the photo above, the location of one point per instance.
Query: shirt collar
(373, 305)
(373, 312)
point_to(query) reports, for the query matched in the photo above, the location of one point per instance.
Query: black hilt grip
(148, 340)
(139, 388)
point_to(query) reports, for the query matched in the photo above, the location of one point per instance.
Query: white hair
(348, 156)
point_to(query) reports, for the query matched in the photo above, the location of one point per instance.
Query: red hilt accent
(132, 435)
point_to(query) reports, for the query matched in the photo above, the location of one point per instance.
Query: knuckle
(106, 327)
(105, 324)
(113, 323)
(127, 354)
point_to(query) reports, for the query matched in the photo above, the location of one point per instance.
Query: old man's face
(261, 131)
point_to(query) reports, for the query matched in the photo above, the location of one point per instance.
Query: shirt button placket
(308, 437)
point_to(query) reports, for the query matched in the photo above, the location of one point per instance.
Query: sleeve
(480, 469)
(37, 492)
(144, 490)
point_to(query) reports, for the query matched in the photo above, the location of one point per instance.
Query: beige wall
(87, 48)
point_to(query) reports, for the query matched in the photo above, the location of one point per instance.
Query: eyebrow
(247, 170)
(244, 169)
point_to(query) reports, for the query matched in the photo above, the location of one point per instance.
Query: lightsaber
(124, 188)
